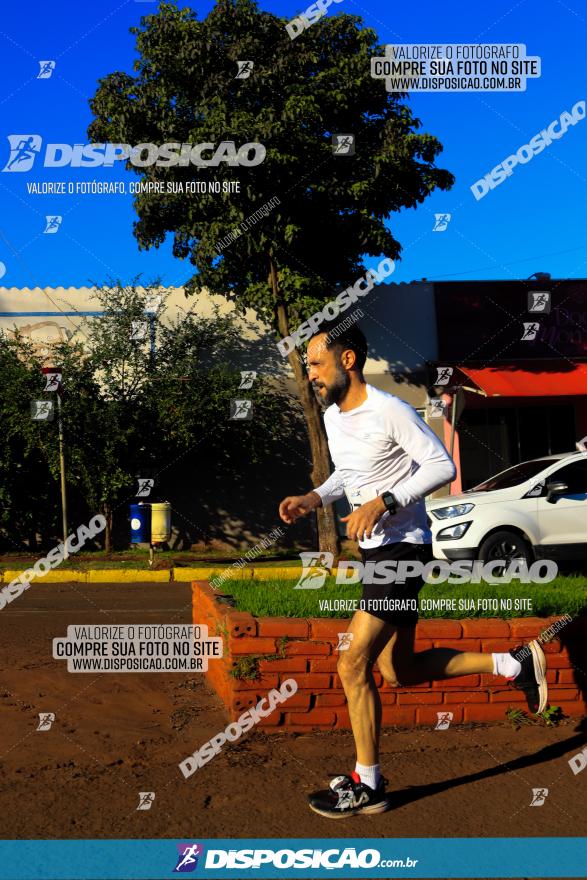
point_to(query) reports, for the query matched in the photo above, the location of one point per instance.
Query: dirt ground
(118, 734)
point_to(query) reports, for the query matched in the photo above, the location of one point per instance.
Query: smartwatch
(390, 502)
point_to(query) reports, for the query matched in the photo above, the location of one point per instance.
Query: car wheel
(508, 546)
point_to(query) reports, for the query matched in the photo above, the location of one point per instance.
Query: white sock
(369, 775)
(506, 665)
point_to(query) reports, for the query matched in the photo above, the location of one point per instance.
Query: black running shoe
(532, 678)
(348, 796)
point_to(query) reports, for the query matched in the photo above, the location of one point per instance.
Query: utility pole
(53, 383)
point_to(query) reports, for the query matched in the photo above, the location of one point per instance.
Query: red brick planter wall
(309, 656)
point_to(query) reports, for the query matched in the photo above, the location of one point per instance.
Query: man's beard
(335, 392)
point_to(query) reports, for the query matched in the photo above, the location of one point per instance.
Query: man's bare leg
(362, 790)
(400, 665)
(355, 667)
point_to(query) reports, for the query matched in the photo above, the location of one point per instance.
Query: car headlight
(453, 510)
(452, 532)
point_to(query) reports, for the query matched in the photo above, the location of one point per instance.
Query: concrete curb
(172, 575)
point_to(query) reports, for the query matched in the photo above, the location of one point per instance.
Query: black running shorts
(392, 602)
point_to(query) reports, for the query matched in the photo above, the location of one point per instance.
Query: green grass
(216, 560)
(278, 598)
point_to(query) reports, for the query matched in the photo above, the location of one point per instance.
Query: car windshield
(513, 476)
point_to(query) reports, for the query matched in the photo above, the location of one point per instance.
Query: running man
(386, 461)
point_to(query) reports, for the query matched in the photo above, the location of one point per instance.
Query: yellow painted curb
(260, 574)
(56, 576)
(121, 576)
(287, 573)
(228, 572)
(263, 574)
(195, 574)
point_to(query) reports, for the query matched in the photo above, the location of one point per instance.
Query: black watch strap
(390, 502)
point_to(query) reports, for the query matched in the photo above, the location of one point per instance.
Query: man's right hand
(294, 506)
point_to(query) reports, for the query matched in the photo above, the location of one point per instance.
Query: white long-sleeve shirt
(384, 446)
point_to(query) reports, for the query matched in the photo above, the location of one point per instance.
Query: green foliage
(550, 717)
(127, 411)
(332, 209)
(29, 489)
(247, 666)
(517, 717)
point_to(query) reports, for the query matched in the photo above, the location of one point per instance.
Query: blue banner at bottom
(304, 858)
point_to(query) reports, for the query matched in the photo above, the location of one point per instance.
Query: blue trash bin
(140, 523)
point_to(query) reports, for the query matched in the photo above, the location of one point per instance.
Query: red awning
(535, 381)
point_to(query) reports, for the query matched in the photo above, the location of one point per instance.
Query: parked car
(534, 510)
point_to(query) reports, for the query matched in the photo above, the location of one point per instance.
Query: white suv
(534, 510)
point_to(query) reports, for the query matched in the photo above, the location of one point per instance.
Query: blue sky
(532, 222)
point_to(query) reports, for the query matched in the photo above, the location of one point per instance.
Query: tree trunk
(325, 520)
(107, 514)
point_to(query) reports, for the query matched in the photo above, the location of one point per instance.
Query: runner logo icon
(444, 719)
(24, 149)
(315, 568)
(539, 795)
(188, 856)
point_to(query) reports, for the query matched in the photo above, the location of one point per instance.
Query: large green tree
(332, 209)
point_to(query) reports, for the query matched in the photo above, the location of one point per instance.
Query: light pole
(53, 383)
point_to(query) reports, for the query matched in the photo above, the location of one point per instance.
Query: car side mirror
(553, 490)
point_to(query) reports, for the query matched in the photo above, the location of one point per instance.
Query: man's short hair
(339, 337)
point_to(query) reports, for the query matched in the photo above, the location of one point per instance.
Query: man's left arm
(436, 467)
